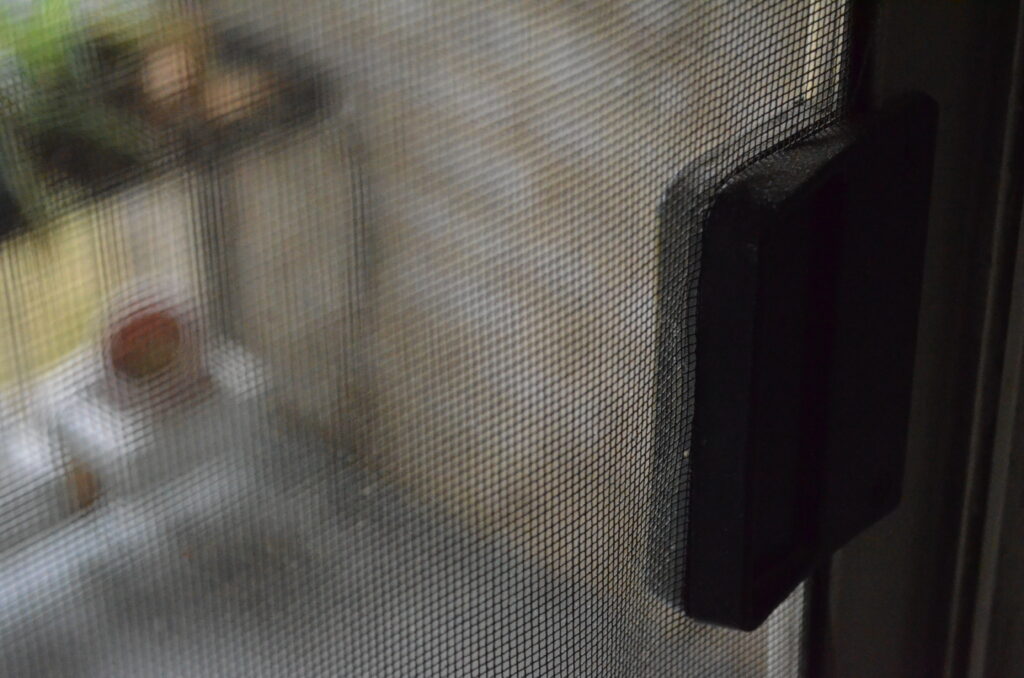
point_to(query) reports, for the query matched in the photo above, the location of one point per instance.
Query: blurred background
(406, 252)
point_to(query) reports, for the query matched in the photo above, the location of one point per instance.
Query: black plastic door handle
(807, 302)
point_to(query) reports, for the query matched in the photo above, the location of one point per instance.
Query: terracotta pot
(152, 349)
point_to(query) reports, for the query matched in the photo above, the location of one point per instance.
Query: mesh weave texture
(390, 272)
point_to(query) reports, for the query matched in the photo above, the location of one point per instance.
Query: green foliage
(41, 40)
(57, 90)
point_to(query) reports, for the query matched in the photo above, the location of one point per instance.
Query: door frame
(901, 599)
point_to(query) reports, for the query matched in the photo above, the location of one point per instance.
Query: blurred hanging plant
(58, 126)
(39, 40)
(88, 100)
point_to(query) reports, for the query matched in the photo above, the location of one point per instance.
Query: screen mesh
(330, 329)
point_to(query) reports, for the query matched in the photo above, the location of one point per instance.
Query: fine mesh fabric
(329, 340)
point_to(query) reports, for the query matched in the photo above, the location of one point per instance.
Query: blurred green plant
(48, 87)
(51, 104)
(39, 40)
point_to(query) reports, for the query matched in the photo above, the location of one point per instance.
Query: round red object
(146, 344)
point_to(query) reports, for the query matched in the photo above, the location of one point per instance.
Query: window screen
(329, 330)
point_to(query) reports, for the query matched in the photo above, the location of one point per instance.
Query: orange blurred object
(146, 344)
(83, 485)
